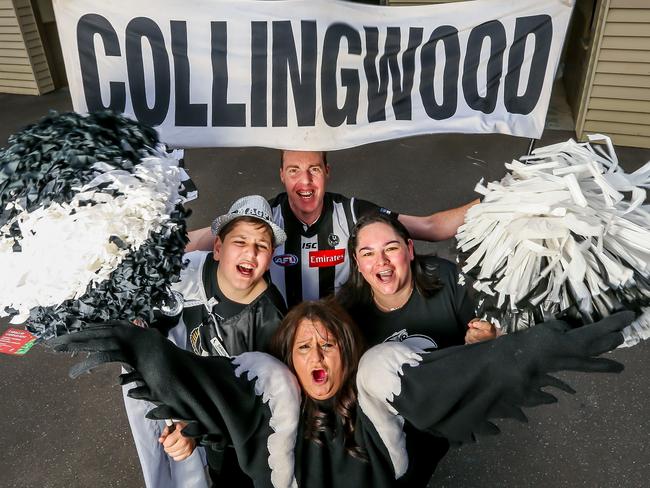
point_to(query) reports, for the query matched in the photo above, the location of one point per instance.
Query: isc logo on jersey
(285, 260)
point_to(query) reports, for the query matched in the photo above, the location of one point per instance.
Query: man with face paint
(313, 263)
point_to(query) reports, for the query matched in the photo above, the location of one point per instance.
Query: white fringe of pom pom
(65, 247)
(567, 217)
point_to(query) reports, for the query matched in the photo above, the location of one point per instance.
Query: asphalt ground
(61, 433)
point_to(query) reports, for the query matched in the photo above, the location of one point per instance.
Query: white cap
(254, 206)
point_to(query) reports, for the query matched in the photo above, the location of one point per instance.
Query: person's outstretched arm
(200, 240)
(438, 226)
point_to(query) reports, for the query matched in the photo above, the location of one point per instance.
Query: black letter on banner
(137, 29)
(187, 114)
(332, 114)
(88, 26)
(377, 85)
(259, 47)
(402, 87)
(303, 81)
(224, 114)
(497, 34)
(449, 37)
(541, 27)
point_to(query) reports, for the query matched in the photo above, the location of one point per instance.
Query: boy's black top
(212, 325)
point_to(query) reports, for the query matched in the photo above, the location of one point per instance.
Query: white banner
(313, 74)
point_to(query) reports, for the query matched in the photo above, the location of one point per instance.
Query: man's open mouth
(306, 194)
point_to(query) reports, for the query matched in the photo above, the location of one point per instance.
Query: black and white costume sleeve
(399, 384)
(253, 397)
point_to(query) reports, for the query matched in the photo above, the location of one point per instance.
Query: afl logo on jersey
(285, 260)
(333, 240)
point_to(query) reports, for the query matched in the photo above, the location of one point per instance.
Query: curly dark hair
(350, 343)
(356, 289)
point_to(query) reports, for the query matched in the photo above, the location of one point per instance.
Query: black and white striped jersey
(312, 263)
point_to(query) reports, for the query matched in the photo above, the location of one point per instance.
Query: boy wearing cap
(229, 308)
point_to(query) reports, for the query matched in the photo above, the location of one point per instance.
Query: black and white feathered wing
(252, 400)
(255, 400)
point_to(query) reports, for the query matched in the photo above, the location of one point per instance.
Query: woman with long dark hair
(394, 294)
(319, 418)
(322, 331)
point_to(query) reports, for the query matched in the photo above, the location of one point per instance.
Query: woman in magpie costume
(320, 416)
